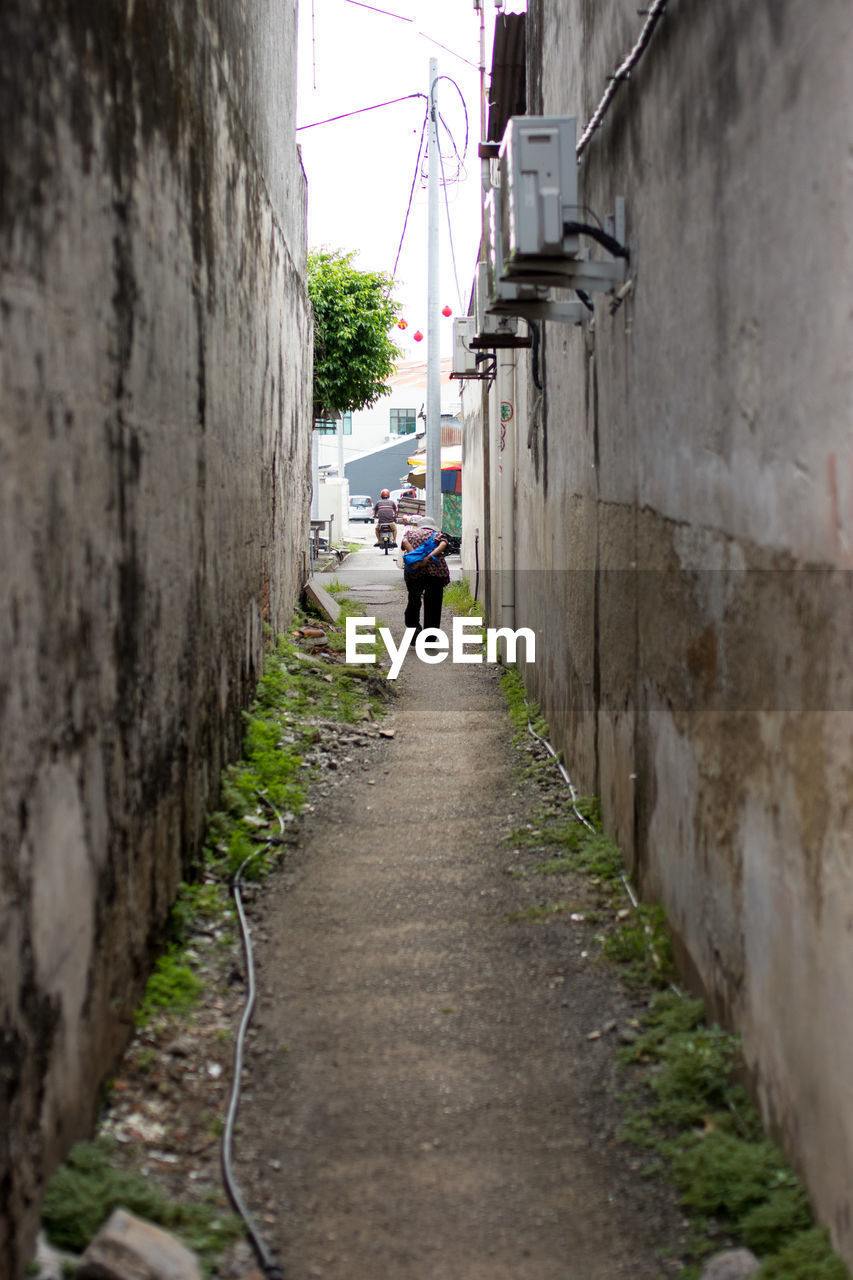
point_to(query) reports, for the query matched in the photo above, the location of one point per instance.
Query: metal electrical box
(503, 296)
(538, 194)
(464, 357)
(491, 329)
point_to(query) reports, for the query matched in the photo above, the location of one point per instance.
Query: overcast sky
(360, 170)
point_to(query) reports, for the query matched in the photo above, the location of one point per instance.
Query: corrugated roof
(508, 91)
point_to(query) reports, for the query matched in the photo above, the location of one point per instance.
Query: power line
(460, 160)
(446, 49)
(412, 192)
(386, 12)
(450, 233)
(360, 111)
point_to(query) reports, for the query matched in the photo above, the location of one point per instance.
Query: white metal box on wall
(464, 357)
(488, 322)
(493, 291)
(538, 191)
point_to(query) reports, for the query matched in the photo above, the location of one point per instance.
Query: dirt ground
(430, 1088)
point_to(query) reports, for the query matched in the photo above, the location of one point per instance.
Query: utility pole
(433, 400)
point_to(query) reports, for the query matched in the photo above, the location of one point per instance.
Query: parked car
(360, 506)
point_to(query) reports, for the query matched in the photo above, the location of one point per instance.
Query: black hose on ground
(270, 1267)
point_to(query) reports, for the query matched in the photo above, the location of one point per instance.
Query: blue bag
(412, 560)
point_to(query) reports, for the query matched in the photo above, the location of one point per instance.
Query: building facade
(155, 430)
(401, 413)
(665, 492)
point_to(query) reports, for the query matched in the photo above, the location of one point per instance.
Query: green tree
(353, 352)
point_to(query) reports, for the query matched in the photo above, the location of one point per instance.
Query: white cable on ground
(566, 778)
(574, 795)
(635, 902)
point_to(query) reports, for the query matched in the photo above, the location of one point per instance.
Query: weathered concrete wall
(685, 520)
(154, 440)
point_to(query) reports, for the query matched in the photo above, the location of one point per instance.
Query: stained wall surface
(684, 519)
(154, 443)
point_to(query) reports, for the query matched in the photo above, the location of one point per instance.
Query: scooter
(386, 537)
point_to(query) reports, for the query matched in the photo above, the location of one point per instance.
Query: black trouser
(431, 589)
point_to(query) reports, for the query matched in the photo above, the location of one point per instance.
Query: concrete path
(422, 1099)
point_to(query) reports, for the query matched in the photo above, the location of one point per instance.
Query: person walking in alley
(428, 579)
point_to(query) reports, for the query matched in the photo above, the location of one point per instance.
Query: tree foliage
(353, 352)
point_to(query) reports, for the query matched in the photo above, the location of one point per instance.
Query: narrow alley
(574, 278)
(422, 1098)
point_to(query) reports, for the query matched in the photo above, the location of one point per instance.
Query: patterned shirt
(436, 566)
(385, 511)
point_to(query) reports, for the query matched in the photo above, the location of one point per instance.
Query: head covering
(427, 522)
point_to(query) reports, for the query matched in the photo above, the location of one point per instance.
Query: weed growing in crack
(642, 948)
(84, 1192)
(457, 596)
(200, 903)
(521, 712)
(172, 988)
(296, 690)
(809, 1254)
(695, 1115)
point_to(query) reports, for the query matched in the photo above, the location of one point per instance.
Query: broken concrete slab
(320, 599)
(129, 1248)
(731, 1264)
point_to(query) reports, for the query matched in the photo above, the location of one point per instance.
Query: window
(403, 422)
(329, 427)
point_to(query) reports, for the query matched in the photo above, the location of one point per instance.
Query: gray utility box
(538, 195)
(500, 293)
(489, 324)
(464, 357)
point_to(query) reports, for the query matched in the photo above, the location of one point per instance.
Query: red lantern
(418, 336)
(402, 324)
(447, 311)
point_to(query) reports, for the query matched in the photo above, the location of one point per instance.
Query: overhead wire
(459, 174)
(419, 172)
(447, 49)
(450, 234)
(387, 13)
(412, 191)
(450, 80)
(421, 153)
(359, 111)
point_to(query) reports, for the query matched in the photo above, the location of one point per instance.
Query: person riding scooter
(385, 512)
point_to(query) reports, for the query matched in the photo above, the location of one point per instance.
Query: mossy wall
(154, 479)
